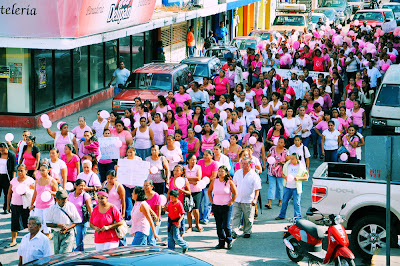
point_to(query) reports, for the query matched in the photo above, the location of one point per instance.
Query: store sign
(71, 18)
(4, 72)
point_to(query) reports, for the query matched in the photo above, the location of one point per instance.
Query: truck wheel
(369, 234)
(295, 255)
(344, 261)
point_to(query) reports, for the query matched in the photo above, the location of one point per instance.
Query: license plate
(397, 130)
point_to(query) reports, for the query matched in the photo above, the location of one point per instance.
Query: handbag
(92, 194)
(188, 203)
(85, 211)
(153, 215)
(122, 229)
(163, 172)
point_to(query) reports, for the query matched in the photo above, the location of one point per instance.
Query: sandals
(201, 229)
(268, 206)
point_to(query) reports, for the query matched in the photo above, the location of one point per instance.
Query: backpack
(207, 44)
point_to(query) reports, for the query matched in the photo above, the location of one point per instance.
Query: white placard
(285, 73)
(108, 149)
(132, 172)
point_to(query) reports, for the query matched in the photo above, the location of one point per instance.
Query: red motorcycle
(304, 239)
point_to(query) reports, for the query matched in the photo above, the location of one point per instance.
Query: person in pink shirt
(323, 124)
(211, 110)
(350, 142)
(72, 161)
(181, 96)
(208, 138)
(82, 152)
(154, 201)
(162, 106)
(172, 103)
(358, 116)
(256, 67)
(183, 120)
(31, 155)
(235, 126)
(222, 194)
(116, 192)
(171, 122)
(209, 88)
(79, 131)
(259, 93)
(349, 103)
(160, 130)
(221, 84)
(193, 143)
(124, 135)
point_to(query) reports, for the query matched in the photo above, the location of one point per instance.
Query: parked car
(341, 7)
(371, 16)
(244, 42)
(130, 255)
(395, 7)
(331, 14)
(315, 18)
(223, 52)
(203, 67)
(390, 16)
(356, 5)
(289, 21)
(149, 81)
(265, 35)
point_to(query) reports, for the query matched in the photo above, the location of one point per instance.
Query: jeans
(128, 202)
(306, 141)
(103, 169)
(223, 215)
(316, 140)
(264, 129)
(116, 89)
(360, 130)
(330, 155)
(205, 206)
(4, 186)
(63, 243)
(81, 230)
(175, 237)
(143, 153)
(139, 239)
(122, 242)
(190, 51)
(288, 193)
(150, 239)
(275, 190)
(245, 211)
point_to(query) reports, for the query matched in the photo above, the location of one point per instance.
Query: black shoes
(246, 236)
(184, 250)
(229, 245)
(220, 246)
(279, 218)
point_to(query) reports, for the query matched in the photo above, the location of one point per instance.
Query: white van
(385, 113)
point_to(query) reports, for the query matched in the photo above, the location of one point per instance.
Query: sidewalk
(40, 133)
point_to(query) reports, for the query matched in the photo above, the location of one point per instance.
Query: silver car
(331, 14)
(341, 6)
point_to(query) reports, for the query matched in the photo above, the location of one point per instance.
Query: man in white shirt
(206, 97)
(120, 75)
(241, 102)
(238, 71)
(365, 27)
(306, 86)
(391, 50)
(250, 114)
(297, 86)
(63, 217)
(248, 185)
(373, 74)
(34, 245)
(197, 96)
(99, 125)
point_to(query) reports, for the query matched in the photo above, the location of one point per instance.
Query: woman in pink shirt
(44, 183)
(221, 84)
(350, 142)
(116, 192)
(193, 143)
(62, 138)
(358, 116)
(193, 174)
(222, 194)
(235, 126)
(211, 110)
(114, 116)
(124, 135)
(184, 120)
(323, 125)
(160, 130)
(259, 93)
(154, 201)
(162, 107)
(171, 101)
(208, 137)
(181, 96)
(80, 130)
(31, 155)
(171, 122)
(72, 162)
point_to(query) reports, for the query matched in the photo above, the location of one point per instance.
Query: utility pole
(256, 11)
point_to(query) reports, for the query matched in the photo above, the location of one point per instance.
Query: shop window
(137, 50)
(96, 67)
(125, 52)
(80, 70)
(148, 44)
(3, 80)
(111, 59)
(43, 70)
(63, 73)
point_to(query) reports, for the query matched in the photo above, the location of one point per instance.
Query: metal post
(256, 10)
(388, 179)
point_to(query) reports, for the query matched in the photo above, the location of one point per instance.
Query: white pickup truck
(363, 188)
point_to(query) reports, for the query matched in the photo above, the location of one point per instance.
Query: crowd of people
(209, 144)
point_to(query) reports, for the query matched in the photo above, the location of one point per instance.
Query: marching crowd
(206, 145)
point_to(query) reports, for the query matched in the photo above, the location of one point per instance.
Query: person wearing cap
(293, 173)
(63, 217)
(62, 138)
(8, 169)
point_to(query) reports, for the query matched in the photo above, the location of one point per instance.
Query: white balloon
(47, 124)
(197, 129)
(163, 200)
(154, 170)
(9, 137)
(271, 160)
(127, 122)
(223, 115)
(118, 143)
(225, 144)
(344, 157)
(69, 186)
(104, 114)
(201, 184)
(21, 189)
(176, 158)
(206, 180)
(252, 140)
(136, 125)
(44, 117)
(180, 182)
(46, 196)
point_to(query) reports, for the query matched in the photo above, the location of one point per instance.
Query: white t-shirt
(250, 116)
(331, 140)
(358, 149)
(241, 104)
(249, 97)
(99, 127)
(302, 151)
(170, 155)
(373, 75)
(290, 125)
(91, 179)
(57, 166)
(292, 170)
(121, 76)
(352, 67)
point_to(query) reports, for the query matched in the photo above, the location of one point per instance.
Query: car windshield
(262, 35)
(389, 14)
(244, 44)
(219, 53)
(329, 13)
(354, 1)
(199, 70)
(289, 20)
(368, 16)
(389, 95)
(333, 3)
(151, 81)
(315, 19)
(395, 8)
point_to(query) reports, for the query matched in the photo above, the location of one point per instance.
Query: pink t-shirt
(71, 167)
(350, 148)
(16, 199)
(61, 142)
(235, 127)
(180, 98)
(78, 201)
(349, 104)
(208, 143)
(101, 219)
(183, 122)
(220, 86)
(358, 117)
(191, 147)
(207, 170)
(158, 130)
(40, 204)
(222, 192)
(154, 201)
(322, 126)
(139, 221)
(192, 173)
(29, 161)
(122, 136)
(79, 132)
(172, 105)
(259, 94)
(114, 198)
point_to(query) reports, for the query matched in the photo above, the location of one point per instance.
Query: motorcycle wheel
(295, 255)
(344, 261)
